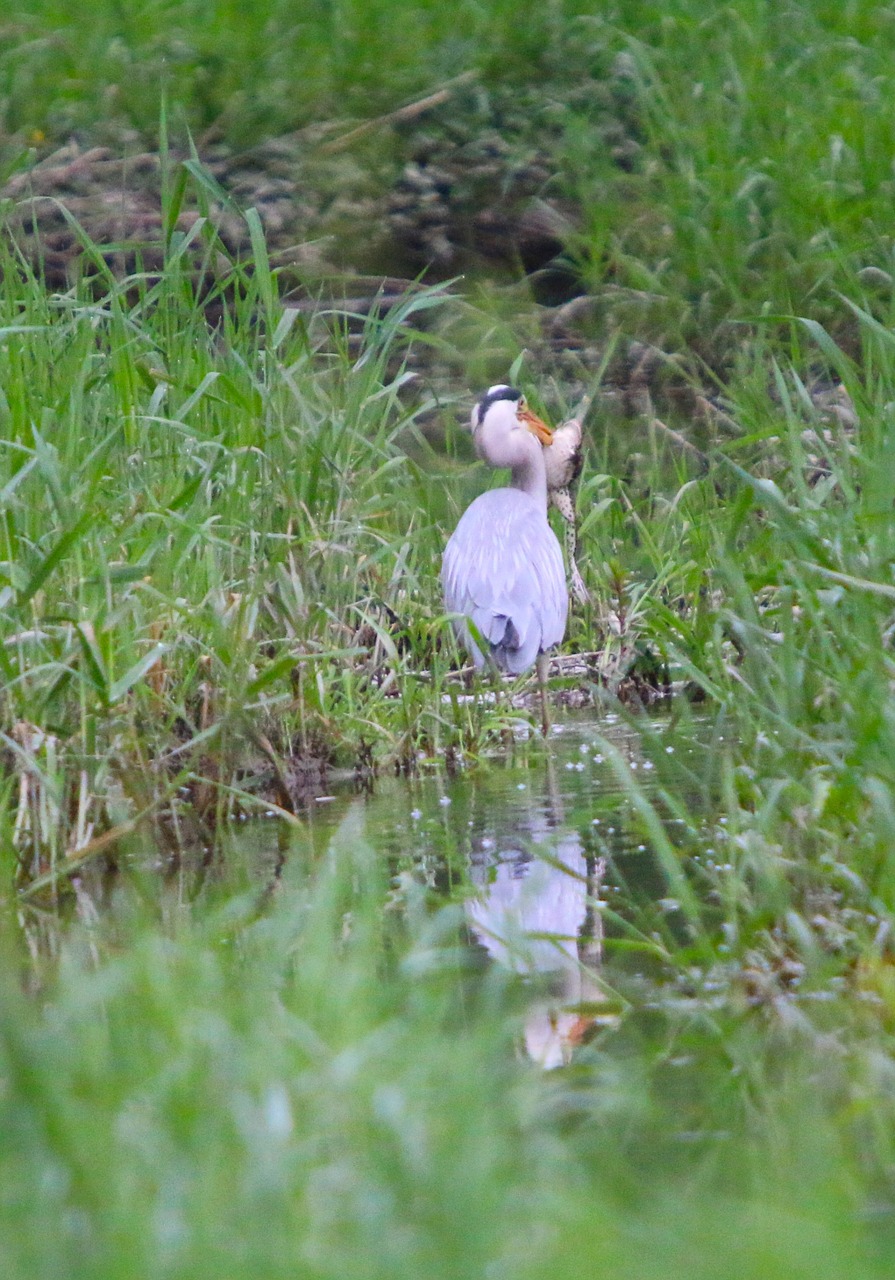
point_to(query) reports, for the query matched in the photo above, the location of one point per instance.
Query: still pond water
(552, 849)
(547, 848)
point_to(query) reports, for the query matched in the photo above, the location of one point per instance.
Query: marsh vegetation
(223, 500)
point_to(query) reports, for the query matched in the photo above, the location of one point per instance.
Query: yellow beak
(536, 426)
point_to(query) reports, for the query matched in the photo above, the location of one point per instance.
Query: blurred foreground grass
(331, 1089)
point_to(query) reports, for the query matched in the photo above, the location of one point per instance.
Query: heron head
(511, 405)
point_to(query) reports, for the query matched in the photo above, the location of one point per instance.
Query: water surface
(537, 844)
(543, 846)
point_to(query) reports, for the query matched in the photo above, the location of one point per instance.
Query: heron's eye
(522, 405)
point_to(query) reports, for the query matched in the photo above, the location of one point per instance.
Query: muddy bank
(463, 183)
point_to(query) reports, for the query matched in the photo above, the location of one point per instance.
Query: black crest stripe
(495, 394)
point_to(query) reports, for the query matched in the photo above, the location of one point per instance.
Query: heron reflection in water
(540, 917)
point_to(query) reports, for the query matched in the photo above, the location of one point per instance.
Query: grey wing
(503, 570)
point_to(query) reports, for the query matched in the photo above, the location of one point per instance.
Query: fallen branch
(399, 116)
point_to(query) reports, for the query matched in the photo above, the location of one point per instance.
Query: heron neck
(530, 475)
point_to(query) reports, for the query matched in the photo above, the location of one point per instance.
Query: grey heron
(503, 569)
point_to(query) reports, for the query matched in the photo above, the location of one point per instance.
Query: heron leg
(542, 666)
